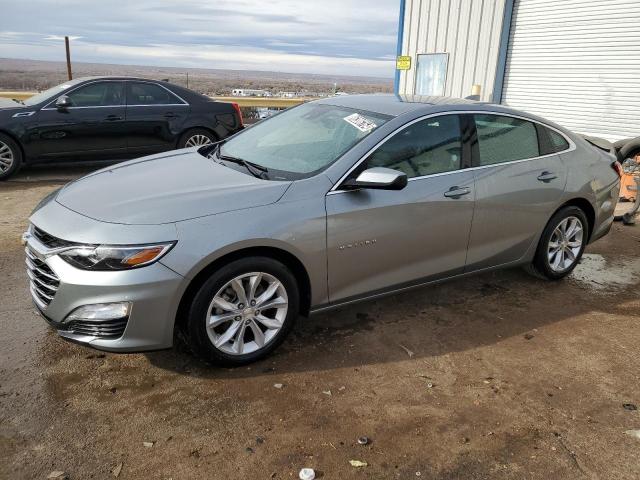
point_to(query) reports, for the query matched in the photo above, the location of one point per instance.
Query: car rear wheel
(196, 137)
(10, 157)
(243, 311)
(562, 243)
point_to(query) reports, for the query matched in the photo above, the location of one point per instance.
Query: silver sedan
(328, 203)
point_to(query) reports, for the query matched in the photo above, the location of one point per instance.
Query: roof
(389, 104)
(114, 77)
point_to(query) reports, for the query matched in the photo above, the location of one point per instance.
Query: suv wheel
(196, 137)
(562, 243)
(243, 311)
(10, 157)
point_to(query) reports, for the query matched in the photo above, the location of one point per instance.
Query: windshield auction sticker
(361, 123)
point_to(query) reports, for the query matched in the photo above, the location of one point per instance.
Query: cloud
(212, 56)
(332, 36)
(61, 37)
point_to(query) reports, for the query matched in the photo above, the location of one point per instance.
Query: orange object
(143, 256)
(628, 183)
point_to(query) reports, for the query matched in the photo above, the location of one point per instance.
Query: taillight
(618, 168)
(236, 107)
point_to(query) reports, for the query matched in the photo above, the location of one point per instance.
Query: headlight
(113, 257)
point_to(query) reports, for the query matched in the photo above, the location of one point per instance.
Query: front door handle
(113, 118)
(457, 192)
(547, 176)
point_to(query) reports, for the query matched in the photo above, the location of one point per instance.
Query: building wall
(577, 62)
(468, 30)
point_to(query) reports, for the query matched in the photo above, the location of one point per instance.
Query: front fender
(298, 228)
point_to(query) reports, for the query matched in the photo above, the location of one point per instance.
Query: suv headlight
(115, 257)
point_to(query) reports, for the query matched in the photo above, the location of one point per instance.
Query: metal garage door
(577, 62)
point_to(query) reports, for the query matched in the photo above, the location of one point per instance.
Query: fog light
(101, 311)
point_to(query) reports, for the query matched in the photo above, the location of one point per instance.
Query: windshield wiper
(256, 170)
(214, 153)
(18, 101)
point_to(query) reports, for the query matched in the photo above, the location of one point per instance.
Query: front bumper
(153, 292)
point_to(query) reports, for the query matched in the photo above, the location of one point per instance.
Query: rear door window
(505, 139)
(150, 94)
(427, 147)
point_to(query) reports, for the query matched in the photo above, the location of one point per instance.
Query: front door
(518, 186)
(154, 118)
(92, 127)
(379, 239)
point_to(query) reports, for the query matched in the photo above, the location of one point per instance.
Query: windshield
(52, 93)
(304, 139)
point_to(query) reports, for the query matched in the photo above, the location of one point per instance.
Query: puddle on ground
(598, 273)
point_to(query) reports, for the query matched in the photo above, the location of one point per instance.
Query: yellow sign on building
(403, 62)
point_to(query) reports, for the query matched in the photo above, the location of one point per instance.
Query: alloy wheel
(247, 313)
(198, 140)
(6, 157)
(565, 244)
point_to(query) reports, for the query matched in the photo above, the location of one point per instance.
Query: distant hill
(35, 75)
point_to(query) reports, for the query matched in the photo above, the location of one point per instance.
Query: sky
(347, 37)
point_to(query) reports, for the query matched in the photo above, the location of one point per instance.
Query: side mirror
(63, 102)
(379, 178)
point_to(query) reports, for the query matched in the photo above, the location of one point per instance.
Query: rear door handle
(170, 115)
(113, 118)
(547, 176)
(457, 192)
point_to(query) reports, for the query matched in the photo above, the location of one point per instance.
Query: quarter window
(150, 94)
(102, 94)
(558, 142)
(430, 146)
(505, 139)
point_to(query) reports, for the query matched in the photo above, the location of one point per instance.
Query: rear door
(92, 127)
(155, 117)
(518, 186)
(377, 239)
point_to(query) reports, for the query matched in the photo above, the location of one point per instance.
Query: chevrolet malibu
(328, 203)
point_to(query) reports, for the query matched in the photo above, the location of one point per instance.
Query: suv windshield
(303, 140)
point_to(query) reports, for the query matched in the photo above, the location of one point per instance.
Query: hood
(166, 188)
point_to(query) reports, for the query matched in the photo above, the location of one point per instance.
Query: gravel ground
(495, 376)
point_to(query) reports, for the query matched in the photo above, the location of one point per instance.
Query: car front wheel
(10, 157)
(562, 243)
(243, 311)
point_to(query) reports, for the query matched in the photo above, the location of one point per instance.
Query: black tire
(7, 142)
(197, 333)
(630, 149)
(195, 132)
(541, 267)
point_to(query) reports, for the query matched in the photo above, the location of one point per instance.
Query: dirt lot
(497, 376)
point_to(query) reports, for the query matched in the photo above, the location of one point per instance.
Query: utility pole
(66, 45)
(187, 79)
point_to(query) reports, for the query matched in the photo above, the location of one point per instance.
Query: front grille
(106, 329)
(43, 281)
(49, 240)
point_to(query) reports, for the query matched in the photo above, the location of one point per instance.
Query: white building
(248, 92)
(576, 62)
